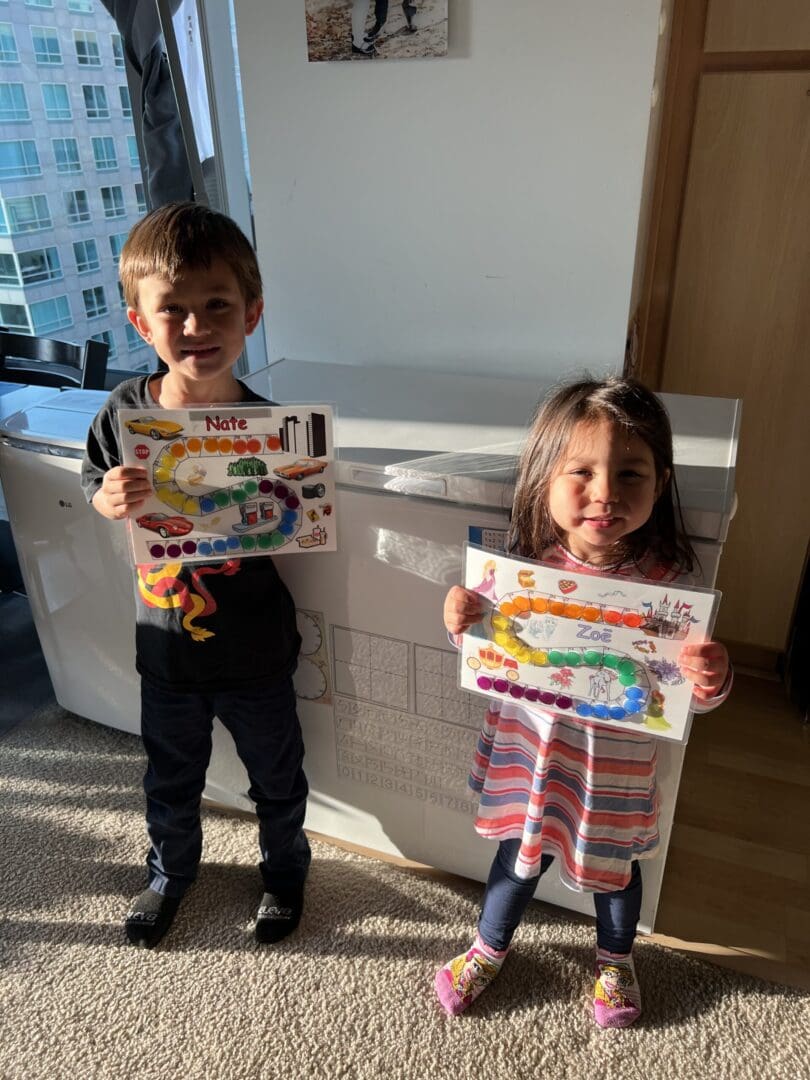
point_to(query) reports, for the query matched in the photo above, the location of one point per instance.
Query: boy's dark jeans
(507, 897)
(176, 730)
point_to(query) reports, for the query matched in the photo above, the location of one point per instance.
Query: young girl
(595, 492)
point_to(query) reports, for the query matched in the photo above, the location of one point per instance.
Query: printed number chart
(232, 481)
(602, 649)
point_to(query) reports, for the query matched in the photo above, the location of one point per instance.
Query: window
(8, 45)
(19, 159)
(121, 296)
(9, 274)
(117, 50)
(28, 213)
(86, 255)
(117, 241)
(104, 152)
(77, 206)
(15, 317)
(45, 40)
(86, 44)
(95, 103)
(113, 201)
(13, 103)
(50, 315)
(108, 339)
(57, 101)
(66, 152)
(63, 72)
(39, 266)
(95, 302)
(134, 339)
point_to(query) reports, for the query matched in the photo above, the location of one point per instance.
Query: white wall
(473, 213)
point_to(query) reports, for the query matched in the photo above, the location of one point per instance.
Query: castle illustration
(667, 620)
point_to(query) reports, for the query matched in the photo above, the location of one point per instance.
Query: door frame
(687, 63)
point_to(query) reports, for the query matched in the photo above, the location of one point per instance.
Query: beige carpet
(349, 995)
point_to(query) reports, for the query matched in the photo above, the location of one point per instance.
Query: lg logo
(65, 504)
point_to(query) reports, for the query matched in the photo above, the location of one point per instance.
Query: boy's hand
(123, 490)
(707, 666)
(462, 608)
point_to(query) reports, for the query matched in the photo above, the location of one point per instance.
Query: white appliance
(16, 396)
(389, 736)
(75, 565)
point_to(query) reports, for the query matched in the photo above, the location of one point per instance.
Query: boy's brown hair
(183, 236)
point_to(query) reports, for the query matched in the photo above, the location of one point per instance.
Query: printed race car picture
(231, 481)
(301, 468)
(165, 524)
(157, 429)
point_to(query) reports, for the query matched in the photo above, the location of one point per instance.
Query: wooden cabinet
(739, 326)
(757, 25)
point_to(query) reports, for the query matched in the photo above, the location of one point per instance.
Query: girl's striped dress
(576, 790)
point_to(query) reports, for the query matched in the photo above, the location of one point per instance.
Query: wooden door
(742, 25)
(739, 326)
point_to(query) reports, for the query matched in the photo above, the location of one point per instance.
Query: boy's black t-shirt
(202, 626)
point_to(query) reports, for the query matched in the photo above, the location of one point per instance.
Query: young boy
(193, 291)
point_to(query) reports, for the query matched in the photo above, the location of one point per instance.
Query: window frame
(9, 281)
(89, 263)
(29, 164)
(15, 115)
(51, 258)
(54, 87)
(66, 164)
(113, 188)
(99, 109)
(13, 56)
(93, 310)
(126, 105)
(37, 199)
(9, 324)
(87, 58)
(71, 216)
(38, 57)
(60, 323)
(103, 162)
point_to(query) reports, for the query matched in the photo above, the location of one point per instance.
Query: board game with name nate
(232, 481)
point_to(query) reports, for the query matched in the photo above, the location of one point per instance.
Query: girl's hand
(462, 608)
(122, 490)
(707, 666)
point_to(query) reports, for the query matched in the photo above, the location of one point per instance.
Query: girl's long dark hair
(637, 411)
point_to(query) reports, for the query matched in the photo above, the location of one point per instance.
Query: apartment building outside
(71, 185)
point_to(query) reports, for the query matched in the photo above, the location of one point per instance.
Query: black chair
(46, 362)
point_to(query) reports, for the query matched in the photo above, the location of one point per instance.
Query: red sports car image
(164, 524)
(301, 468)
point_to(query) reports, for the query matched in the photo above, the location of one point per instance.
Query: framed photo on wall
(376, 29)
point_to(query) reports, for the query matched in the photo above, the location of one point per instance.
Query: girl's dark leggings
(508, 895)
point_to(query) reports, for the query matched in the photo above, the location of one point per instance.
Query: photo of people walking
(375, 29)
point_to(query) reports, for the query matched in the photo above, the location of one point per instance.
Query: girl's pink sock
(616, 993)
(461, 980)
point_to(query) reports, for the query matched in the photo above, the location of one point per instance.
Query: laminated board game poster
(601, 649)
(232, 481)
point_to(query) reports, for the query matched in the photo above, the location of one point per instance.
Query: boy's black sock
(149, 917)
(278, 915)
